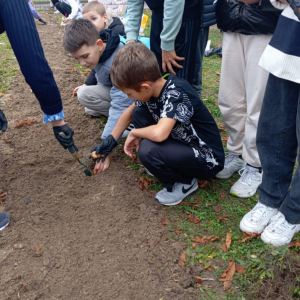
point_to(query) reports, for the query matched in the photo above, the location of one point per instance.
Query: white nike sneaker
(258, 218)
(232, 164)
(179, 192)
(247, 185)
(279, 231)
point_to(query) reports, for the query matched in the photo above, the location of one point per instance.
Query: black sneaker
(4, 220)
(42, 21)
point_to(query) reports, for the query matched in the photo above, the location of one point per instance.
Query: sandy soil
(71, 236)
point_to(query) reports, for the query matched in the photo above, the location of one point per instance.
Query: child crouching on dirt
(176, 137)
(96, 51)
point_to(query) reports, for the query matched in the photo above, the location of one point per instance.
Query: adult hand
(76, 90)
(102, 166)
(105, 147)
(249, 1)
(132, 142)
(3, 121)
(168, 59)
(64, 134)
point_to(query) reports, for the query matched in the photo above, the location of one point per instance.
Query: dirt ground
(71, 236)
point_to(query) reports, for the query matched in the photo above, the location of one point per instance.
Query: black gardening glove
(64, 135)
(3, 121)
(295, 5)
(105, 147)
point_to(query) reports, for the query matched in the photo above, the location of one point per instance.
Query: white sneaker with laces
(258, 218)
(247, 185)
(179, 192)
(232, 164)
(279, 231)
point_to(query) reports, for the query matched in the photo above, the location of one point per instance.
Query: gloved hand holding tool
(103, 149)
(64, 136)
(3, 121)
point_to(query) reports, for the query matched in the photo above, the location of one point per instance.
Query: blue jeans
(278, 139)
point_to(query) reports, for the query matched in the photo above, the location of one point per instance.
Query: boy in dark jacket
(96, 51)
(176, 137)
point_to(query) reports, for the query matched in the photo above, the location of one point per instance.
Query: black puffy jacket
(209, 13)
(236, 16)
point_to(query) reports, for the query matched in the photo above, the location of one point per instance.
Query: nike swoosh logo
(186, 190)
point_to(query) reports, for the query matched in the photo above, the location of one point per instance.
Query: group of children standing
(175, 135)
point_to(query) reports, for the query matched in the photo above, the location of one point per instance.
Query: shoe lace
(229, 157)
(259, 212)
(278, 223)
(247, 174)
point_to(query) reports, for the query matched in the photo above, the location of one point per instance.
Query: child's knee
(82, 95)
(147, 151)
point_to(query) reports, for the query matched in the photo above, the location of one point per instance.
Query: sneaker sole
(243, 195)
(196, 189)
(244, 228)
(224, 176)
(4, 226)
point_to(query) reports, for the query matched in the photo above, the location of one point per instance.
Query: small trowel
(74, 153)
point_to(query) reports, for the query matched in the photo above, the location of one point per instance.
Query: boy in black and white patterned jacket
(176, 137)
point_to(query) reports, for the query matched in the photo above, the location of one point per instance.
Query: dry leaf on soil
(249, 235)
(194, 245)
(164, 222)
(133, 159)
(144, 182)
(189, 203)
(38, 248)
(25, 122)
(223, 196)
(202, 183)
(3, 195)
(240, 269)
(217, 208)
(194, 220)
(295, 244)
(204, 239)
(227, 285)
(229, 272)
(228, 241)
(182, 260)
(198, 279)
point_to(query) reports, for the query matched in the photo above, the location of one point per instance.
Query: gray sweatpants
(95, 98)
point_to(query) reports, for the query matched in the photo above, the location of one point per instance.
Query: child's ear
(105, 18)
(146, 86)
(99, 44)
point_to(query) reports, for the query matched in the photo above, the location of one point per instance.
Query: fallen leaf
(204, 239)
(144, 182)
(223, 196)
(3, 142)
(133, 159)
(152, 192)
(295, 244)
(202, 183)
(227, 285)
(3, 195)
(218, 73)
(221, 218)
(9, 99)
(228, 240)
(38, 248)
(225, 139)
(198, 279)
(224, 247)
(182, 260)
(228, 273)
(194, 245)
(71, 69)
(240, 269)
(27, 123)
(141, 186)
(86, 73)
(177, 232)
(194, 220)
(164, 222)
(217, 208)
(250, 235)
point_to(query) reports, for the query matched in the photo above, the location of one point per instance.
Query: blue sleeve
(51, 118)
(16, 19)
(119, 103)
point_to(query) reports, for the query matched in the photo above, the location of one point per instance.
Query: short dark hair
(78, 33)
(133, 65)
(94, 6)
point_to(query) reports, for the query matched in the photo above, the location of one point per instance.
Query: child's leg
(170, 161)
(95, 98)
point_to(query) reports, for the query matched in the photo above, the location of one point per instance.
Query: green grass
(8, 64)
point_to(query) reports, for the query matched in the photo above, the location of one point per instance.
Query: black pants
(185, 45)
(170, 161)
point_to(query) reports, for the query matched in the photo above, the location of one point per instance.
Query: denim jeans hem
(269, 204)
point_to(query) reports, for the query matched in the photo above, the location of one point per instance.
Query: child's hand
(131, 143)
(76, 90)
(101, 166)
(66, 21)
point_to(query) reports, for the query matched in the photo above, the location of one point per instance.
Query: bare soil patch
(71, 236)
